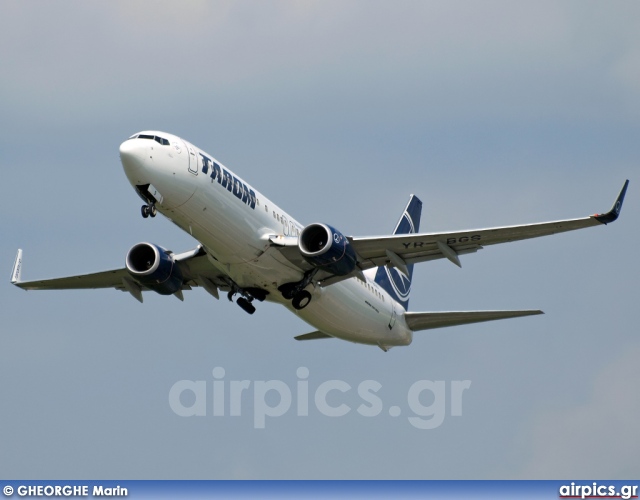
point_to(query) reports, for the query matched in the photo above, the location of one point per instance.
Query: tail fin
(393, 281)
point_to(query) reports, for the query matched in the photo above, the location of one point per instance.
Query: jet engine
(155, 268)
(327, 248)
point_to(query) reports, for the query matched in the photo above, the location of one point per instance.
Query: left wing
(414, 248)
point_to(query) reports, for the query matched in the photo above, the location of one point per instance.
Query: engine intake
(327, 248)
(154, 267)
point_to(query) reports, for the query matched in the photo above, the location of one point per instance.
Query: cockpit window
(159, 140)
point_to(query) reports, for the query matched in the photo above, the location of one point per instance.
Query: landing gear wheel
(246, 305)
(301, 300)
(148, 210)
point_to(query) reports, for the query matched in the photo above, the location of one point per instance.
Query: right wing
(194, 265)
(104, 279)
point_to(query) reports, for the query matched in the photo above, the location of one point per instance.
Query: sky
(493, 113)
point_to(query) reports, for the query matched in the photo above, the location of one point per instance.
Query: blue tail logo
(393, 281)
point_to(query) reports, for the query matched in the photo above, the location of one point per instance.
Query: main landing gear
(300, 298)
(246, 305)
(148, 210)
(248, 294)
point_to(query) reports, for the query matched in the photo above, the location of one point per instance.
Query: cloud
(469, 55)
(599, 439)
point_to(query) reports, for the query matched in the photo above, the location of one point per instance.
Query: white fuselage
(234, 222)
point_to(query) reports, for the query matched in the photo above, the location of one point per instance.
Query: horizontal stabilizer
(427, 320)
(313, 336)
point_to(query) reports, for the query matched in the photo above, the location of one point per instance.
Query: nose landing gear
(148, 211)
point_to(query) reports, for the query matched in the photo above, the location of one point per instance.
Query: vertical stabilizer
(394, 280)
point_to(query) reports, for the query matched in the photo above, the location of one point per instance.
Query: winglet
(613, 214)
(16, 273)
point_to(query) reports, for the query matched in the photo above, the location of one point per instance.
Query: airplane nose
(133, 157)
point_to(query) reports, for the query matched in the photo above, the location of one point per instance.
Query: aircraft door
(392, 321)
(193, 160)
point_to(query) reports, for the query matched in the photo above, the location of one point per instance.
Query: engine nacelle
(325, 247)
(155, 268)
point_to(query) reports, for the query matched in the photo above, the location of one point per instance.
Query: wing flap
(432, 253)
(417, 321)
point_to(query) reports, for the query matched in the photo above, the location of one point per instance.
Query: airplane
(352, 288)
